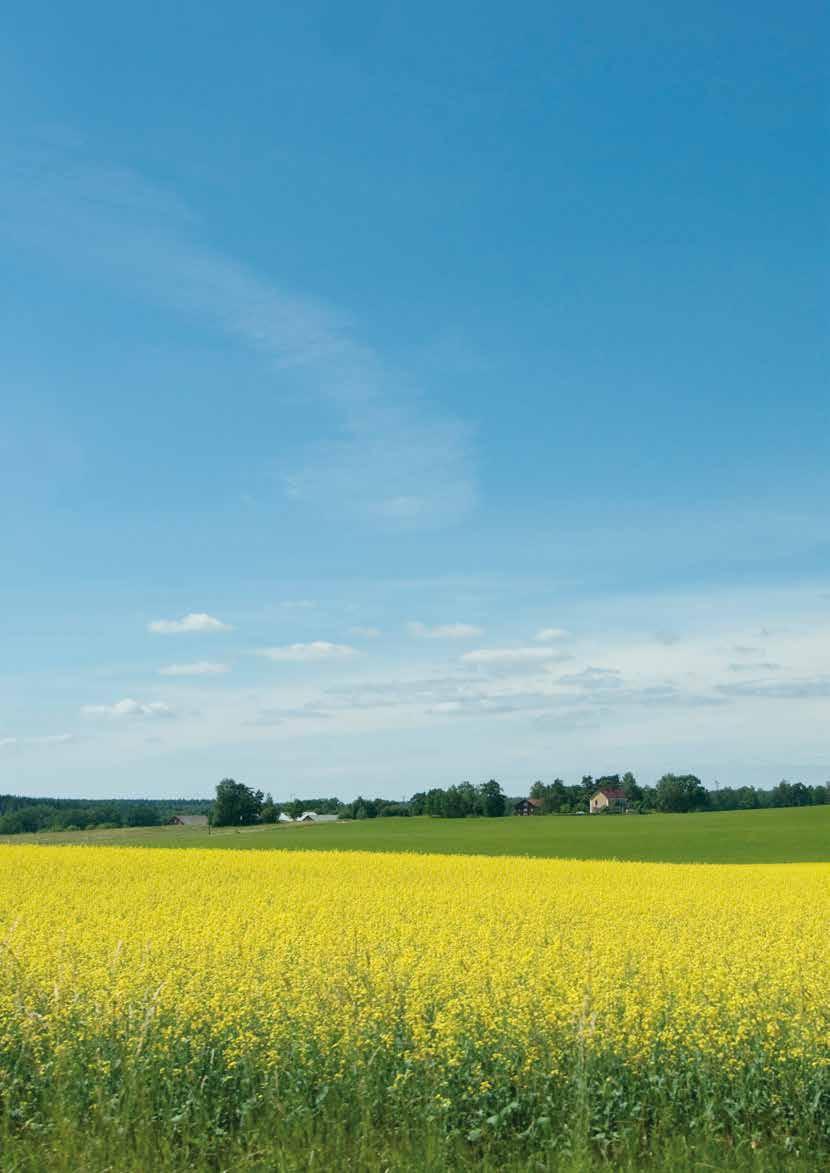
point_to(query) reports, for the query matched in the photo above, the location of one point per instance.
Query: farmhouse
(607, 800)
(313, 817)
(528, 806)
(188, 821)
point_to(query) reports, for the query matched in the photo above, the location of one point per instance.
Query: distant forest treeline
(673, 793)
(18, 815)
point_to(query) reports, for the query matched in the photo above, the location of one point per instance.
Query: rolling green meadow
(786, 835)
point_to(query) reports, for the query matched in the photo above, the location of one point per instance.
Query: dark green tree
(556, 797)
(553, 796)
(633, 793)
(491, 798)
(467, 798)
(270, 812)
(679, 793)
(782, 794)
(436, 802)
(235, 804)
(388, 810)
(801, 794)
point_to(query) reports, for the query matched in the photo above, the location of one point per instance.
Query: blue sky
(394, 395)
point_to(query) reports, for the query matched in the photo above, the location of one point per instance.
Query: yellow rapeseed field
(483, 992)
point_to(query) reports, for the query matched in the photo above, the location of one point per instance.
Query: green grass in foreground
(313, 1146)
(787, 835)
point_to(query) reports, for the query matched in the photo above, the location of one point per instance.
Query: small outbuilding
(528, 806)
(607, 800)
(313, 817)
(188, 821)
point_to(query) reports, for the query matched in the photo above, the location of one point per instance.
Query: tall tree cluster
(236, 805)
(461, 801)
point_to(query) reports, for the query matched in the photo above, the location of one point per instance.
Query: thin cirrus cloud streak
(817, 687)
(128, 708)
(194, 622)
(305, 653)
(199, 668)
(548, 634)
(511, 656)
(444, 631)
(398, 460)
(46, 739)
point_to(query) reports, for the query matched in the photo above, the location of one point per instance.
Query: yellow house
(608, 800)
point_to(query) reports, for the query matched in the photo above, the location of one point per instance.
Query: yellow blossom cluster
(465, 975)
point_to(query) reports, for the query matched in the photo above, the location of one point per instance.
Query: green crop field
(795, 834)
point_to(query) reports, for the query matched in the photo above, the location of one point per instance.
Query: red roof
(611, 792)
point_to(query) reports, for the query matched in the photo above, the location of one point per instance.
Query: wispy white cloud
(196, 621)
(366, 632)
(266, 718)
(395, 692)
(200, 668)
(127, 708)
(505, 704)
(803, 689)
(592, 678)
(399, 467)
(512, 656)
(548, 634)
(444, 631)
(45, 739)
(316, 650)
(755, 666)
(398, 460)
